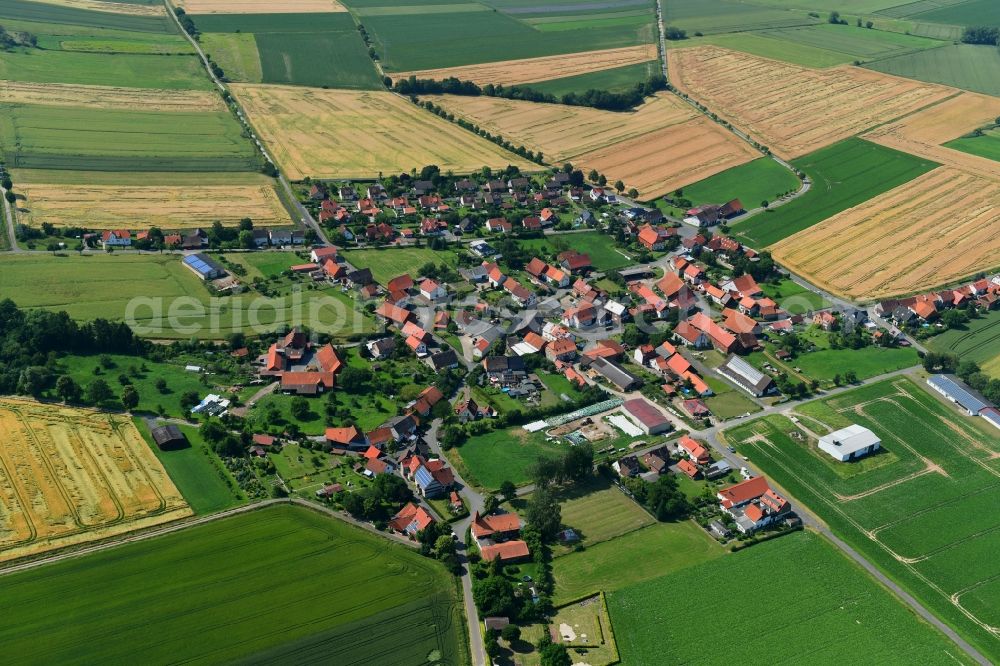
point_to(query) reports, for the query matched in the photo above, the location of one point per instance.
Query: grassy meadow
(197, 472)
(127, 70)
(920, 510)
(390, 263)
(752, 183)
(278, 584)
(987, 145)
(821, 607)
(504, 455)
(604, 255)
(843, 175)
(236, 54)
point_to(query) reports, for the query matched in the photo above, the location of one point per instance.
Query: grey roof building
(747, 377)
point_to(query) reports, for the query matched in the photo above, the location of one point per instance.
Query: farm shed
(850, 443)
(204, 266)
(650, 419)
(169, 437)
(747, 377)
(956, 393)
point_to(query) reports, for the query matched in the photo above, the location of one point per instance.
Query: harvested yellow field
(663, 145)
(108, 97)
(922, 132)
(795, 110)
(530, 70)
(937, 229)
(108, 6)
(69, 476)
(355, 134)
(259, 6)
(169, 207)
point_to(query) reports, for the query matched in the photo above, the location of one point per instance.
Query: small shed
(169, 437)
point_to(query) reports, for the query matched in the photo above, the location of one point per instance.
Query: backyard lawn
(604, 254)
(387, 264)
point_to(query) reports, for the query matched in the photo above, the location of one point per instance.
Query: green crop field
(975, 68)
(909, 9)
(844, 6)
(843, 175)
(752, 183)
(768, 47)
(924, 510)
(821, 608)
(503, 455)
(65, 37)
(292, 58)
(89, 287)
(181, 72)
(53, 13)
(969, 12)
(632, 558)
(411, 42)
(715, 16)
(259, 24)
(614, 80)
(857, 43)
(387, 264)
(978, 341)
(278, 585)
(987, 145)
(236, 54)
(43, 137)
(196, 471)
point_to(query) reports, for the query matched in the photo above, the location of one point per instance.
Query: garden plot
(68, 476)
(347, 134)
(937, 229)
(795, 110)
(530, 70)
(663, 145)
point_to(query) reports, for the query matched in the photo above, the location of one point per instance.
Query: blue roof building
(204, 266)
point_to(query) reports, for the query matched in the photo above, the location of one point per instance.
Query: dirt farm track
(70, 475)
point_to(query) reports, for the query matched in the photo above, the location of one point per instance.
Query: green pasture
(236, 54)
(604, 254)
(793, 297)
(389, 263)
(752, 183)
(180, 72)
(264, 264)
(843, 175)
(866, 362)
(504, 455)
(822, 608)
(599, 512)
(196, 471)
(987, 145)
(88, 287)
(978, 340)
(35, 136)
(275, 585)
(632, 558)
(22, 10)
(612, 80)
(970, 12)
(930, 497)
(967, 66)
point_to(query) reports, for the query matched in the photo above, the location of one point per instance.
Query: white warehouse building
(850, 443)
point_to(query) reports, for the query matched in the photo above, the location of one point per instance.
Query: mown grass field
(89, 287)
(975, 68)
(843, 175)
(631, 559)
(978, 340)
(276, 585)
(603, 254)
(387, 264)
(197, 473)
(924, 510)
(180, 72)
(236, 54)
(43, 137)
(987, 145)
(752, 183)
(412, 41)
(822, 607)
(602, 512)
(504, 455)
